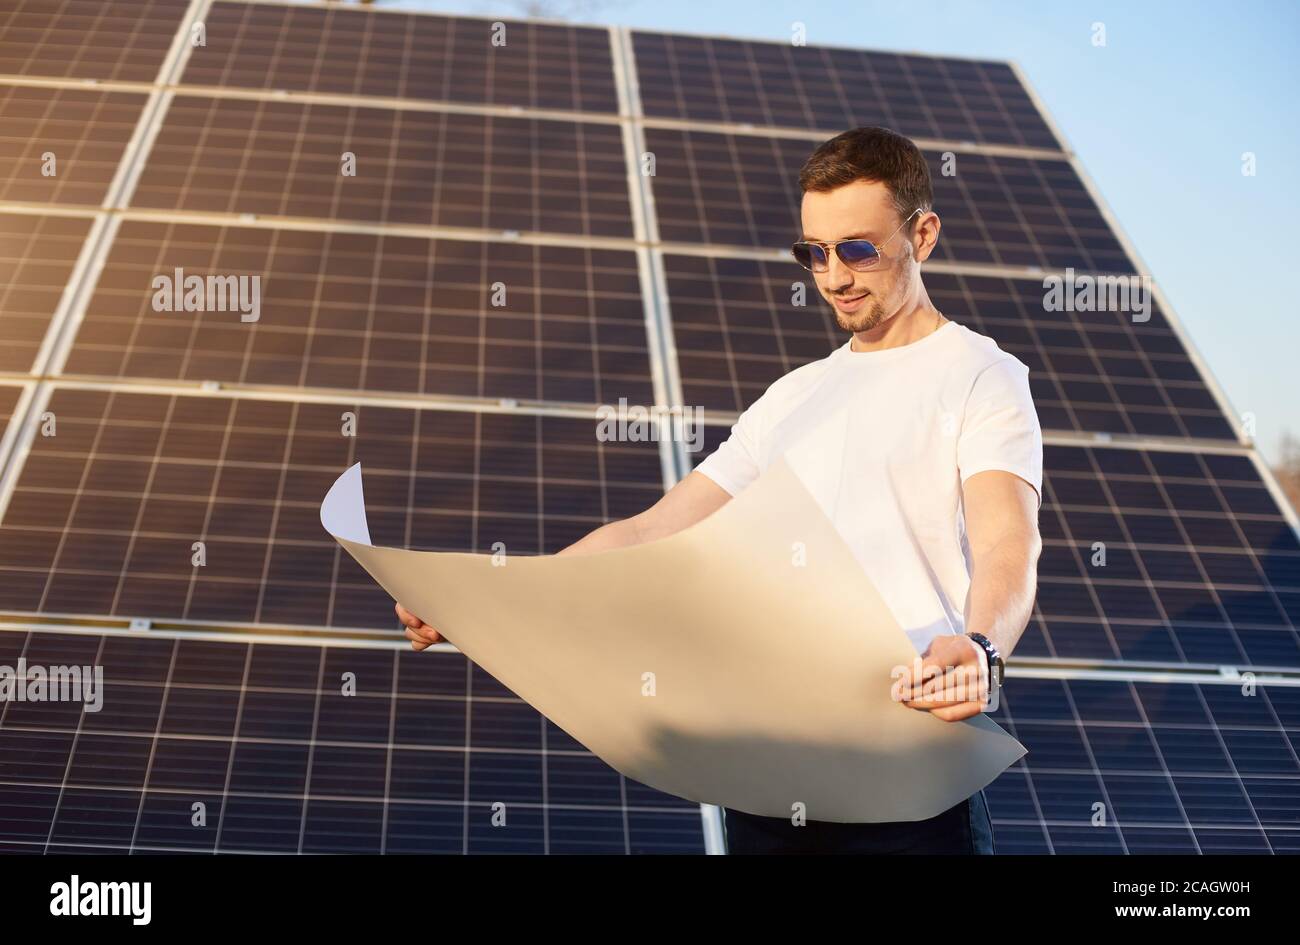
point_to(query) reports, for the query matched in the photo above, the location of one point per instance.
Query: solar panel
(395, 55)
(739, 190)
(1200, 564)
(478, 165)
(37, 255)
(275, 158)
(1148, 767)
(117, 41)
(739, 324)
(204, 746)
(62, 145)
(706, 79)
(106, 512)
(380, 313)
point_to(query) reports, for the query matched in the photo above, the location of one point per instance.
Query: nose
(838, 276)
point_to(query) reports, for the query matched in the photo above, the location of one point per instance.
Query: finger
(910, 680)
(949, 712)
(929, 705)
(960, 682)
(953, 689)
(418, 643)
(920, 706)
(409, 619)
(964, 710)
(961, 690)
(930, 670)
(425, 633)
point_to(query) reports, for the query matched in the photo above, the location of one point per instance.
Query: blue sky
(1159, 117)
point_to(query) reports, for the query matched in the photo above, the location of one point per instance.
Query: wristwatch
(996, 664)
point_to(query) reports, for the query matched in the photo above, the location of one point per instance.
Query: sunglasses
(858, 255)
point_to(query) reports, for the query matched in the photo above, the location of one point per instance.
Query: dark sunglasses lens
(809, 255)
(858, 254)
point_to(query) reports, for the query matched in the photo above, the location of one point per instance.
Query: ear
(926, 235)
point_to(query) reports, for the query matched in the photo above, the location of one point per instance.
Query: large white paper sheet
(745, 661)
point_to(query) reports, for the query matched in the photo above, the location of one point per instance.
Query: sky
(1159, 116)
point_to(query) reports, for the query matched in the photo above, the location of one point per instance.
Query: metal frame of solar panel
(229, 159)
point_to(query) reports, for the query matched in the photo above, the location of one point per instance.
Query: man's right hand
(421, 635)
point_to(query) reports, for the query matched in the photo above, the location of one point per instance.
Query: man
(918, 438)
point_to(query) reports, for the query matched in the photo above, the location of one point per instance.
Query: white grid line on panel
(659, 325)
(10, 433)
(178, 54)
(21, 433)
(644, 228)
(68, 302)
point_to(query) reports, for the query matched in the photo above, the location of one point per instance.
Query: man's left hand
(953, 681)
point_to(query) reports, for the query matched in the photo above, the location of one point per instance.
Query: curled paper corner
(343, 513)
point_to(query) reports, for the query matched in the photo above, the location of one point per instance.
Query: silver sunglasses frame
(826, 247)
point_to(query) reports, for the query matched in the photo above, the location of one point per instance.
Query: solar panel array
(420, 58)
(460, 251)
(740, 324)
(37, 256)
(784, 85)
(283, 159)
(104, 515)
(573, 329)
(63, 145)
(87, 39)
(1116, 766)
(214, 747)
(262, 748)
(741, 190)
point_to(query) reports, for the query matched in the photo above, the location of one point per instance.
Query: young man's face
(865, 210)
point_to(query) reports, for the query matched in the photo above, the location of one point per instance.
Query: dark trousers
(963, 828)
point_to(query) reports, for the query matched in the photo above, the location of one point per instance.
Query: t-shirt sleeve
(735, 463)
(1000, 426)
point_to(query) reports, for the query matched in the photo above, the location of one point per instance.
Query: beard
(872, 314)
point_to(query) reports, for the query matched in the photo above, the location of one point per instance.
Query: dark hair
(872, 154)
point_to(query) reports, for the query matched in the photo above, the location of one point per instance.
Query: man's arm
(690, 500)
(1002, 528)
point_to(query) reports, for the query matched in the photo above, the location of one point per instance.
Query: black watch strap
(994, 658)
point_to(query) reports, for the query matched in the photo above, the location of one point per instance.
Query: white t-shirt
(883, 441)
